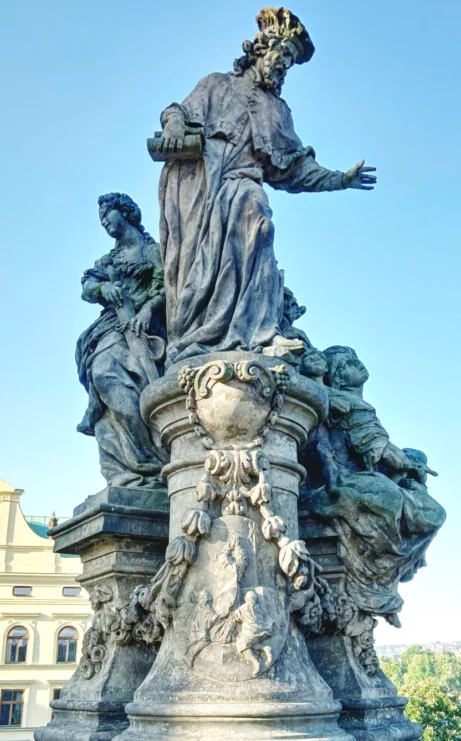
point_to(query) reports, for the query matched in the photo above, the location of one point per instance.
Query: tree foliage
(432, 684)
(438, 712)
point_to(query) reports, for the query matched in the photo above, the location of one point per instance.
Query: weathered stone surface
(371, 708)
(123, 349)
(120, 535)
(233, 662)
(290, 516)
(222, 284)
(370, 498)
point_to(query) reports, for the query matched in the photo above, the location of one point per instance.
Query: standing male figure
(222, 284)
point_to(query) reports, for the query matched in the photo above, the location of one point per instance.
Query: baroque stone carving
(372, 493)
(221, 274)
(126, 343)
(238, 473)
(240, 608)
(114, 624)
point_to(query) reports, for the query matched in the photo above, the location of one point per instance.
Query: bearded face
(274, 63)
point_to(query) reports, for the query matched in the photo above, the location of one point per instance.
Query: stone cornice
(12, 577)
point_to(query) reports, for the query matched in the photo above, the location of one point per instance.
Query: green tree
(438, 712)
(394, 670)
(448, 671)
(420, 666)
(409, 654)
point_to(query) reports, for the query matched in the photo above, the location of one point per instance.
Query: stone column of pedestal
(233, 663)
(372, 710)
(120, 535)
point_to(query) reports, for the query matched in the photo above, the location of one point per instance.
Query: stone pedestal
(233, 663)
(120, 535)
(371, 708)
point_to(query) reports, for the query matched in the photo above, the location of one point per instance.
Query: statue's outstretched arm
(306, 175)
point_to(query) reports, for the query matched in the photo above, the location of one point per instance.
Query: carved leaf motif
(206, 491)
(87, 668)
(196, 522)
(272, 527)
(100, 595)
(98, 654)
(292, 555)
(180, 549)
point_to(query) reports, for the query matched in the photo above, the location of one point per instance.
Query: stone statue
(116, 357)
(292, 311)
(52, 522)
(243, 605)
(373, 493)
(216, 230)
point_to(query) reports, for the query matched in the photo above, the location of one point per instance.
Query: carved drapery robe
(113, 376)
(384, 526)
(223, 289)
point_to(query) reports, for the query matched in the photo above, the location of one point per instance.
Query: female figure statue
(113, 356)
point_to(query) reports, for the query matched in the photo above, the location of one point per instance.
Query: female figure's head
(345, 370)
(116, 210)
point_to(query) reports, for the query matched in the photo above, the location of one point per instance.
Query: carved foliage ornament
(240, 475)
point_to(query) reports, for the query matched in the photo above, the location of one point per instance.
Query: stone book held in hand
(192, 148)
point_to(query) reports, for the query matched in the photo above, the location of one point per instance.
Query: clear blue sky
(82, 86)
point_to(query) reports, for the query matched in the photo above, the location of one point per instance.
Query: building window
(22, 591)
(67, 645)
(16, 645)
(56, 694)
(11, 707)
(71, 591)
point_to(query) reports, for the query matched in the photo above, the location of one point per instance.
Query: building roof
(5, 486)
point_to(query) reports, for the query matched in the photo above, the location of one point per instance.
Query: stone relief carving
(150, 608)
(238, 473)
(211, 619)
(126, 343)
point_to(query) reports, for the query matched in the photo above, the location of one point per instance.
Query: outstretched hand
(359, 177)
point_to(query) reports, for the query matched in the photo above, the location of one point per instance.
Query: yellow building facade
(43, 616)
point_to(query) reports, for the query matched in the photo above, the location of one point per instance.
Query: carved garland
(237, 475)
(332, 613)
(150, 608)
(241, 474)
